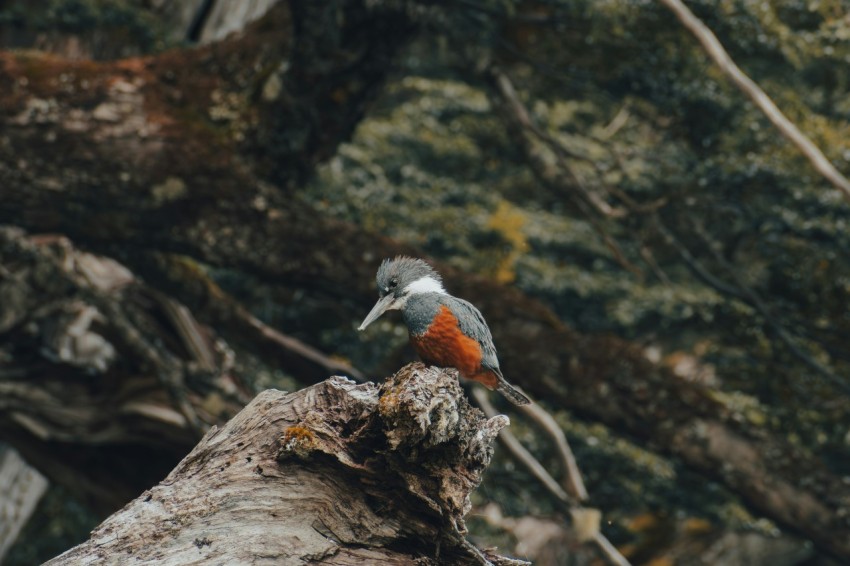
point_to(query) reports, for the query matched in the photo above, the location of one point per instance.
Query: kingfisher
(444, 330)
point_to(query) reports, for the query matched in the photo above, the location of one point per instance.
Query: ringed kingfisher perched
(445, 331)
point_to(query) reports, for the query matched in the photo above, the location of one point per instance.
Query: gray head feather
(396, 274)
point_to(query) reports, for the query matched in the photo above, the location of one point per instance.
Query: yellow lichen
(187, 271)
(387, 402)
(509, 221)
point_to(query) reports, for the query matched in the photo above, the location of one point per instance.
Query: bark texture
(337, 473)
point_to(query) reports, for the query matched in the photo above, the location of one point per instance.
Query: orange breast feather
(445, 345)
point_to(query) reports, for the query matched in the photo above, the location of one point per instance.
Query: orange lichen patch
(387, 402)
(697, 526)
(297, 433)
(296, 440)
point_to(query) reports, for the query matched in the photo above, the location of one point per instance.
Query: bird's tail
(513, 394)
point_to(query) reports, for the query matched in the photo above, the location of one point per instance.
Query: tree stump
(337, 473)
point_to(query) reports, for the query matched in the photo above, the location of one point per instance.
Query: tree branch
(183, 278)
(572, 475)
(749, 295)
(524, 457)
(762, 101)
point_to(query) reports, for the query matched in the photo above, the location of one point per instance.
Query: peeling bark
(337, 473)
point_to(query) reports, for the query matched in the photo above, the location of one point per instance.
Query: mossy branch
(763, 102)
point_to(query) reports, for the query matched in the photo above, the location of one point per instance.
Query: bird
(445, 331)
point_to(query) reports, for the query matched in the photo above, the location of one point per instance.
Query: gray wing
(472, 323)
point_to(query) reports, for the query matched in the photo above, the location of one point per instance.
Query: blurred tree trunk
(105, 382)
(196, 152)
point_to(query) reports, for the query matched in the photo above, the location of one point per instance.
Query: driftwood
(337, 473)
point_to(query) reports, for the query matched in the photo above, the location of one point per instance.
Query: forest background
(660, 267)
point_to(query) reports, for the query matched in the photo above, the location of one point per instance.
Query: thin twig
(296, 346)
(585, 199)
(787, 128)
(648, 257)
(618, 122)
(694, 264)
(523, 456)
(750, 296)
(521, 116)
(520, 453)
(572, 476)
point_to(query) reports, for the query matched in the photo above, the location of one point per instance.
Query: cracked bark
(337, 473)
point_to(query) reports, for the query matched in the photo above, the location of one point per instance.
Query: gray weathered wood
(337, 473)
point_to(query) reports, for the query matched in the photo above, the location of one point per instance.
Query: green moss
(124, 25)
(639, 110)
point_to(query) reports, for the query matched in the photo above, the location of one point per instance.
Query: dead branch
(557, 175)
(762, 101)
(572, 476)
(521, 454)
(750, 296)
(585, 521)
(337, 473)
(182, 277)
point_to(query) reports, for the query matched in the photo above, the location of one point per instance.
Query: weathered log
(337, 473)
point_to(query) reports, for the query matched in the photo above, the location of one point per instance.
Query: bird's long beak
(380, 308)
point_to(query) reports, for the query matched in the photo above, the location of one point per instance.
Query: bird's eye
(393, 283)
